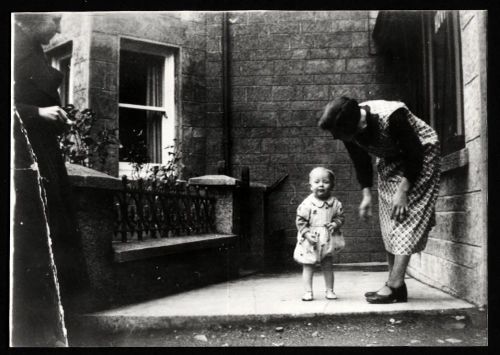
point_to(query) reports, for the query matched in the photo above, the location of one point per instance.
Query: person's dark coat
(34, 293)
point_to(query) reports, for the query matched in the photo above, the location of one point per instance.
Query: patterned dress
(312, 215)
(410, 235)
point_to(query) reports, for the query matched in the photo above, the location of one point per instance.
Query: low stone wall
(154, 274)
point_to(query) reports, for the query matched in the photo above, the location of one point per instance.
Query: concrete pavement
(264, 297)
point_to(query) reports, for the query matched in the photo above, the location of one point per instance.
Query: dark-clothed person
(37, 316)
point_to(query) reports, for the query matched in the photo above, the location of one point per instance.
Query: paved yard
(266, 310)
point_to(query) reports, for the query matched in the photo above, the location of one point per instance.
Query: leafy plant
(168, 172)
(78, 143)
(137, 154)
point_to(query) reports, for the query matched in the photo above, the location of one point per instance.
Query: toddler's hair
(330, 173)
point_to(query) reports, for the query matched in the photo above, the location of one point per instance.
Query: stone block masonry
(285, 67)
(456, 254)
(96, 47)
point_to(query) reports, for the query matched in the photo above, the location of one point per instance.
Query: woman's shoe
(372, 293)
(330, 295)
(308, 296)
(399, 294)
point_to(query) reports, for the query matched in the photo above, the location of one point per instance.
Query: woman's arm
(364, 173)
(412, 153)
(53, 115)
(407, 139)
(365, 207)
(362, 164)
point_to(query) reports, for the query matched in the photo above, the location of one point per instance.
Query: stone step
(268, 297)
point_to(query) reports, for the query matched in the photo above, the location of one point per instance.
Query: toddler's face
(321, 186)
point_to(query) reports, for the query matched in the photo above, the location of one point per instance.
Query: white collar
(321, 203)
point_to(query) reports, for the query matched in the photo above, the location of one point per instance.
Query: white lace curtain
(154, 97)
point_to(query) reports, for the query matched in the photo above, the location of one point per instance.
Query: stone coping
(258, 186)
(82, 176)
(139, 250)
(215, 180)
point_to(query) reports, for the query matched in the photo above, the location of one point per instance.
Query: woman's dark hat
(340, 114)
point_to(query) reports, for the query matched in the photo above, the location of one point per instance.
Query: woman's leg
(397, 275)
(327, 267)
(390, 261)
(307, 277)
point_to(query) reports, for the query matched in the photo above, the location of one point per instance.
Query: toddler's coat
(312, 216)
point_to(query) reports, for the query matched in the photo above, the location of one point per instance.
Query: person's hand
(399, 205)
(55, 115)
(399, 209)
(310, 237)
(365, 207)
(331, 227)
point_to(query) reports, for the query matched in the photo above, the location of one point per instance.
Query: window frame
(56, 55)
(170, 92)
(429, 37)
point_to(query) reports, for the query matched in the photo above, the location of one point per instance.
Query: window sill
(455, 160)
(127, 169)
(140, 250)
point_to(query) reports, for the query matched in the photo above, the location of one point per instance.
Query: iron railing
(150, 209)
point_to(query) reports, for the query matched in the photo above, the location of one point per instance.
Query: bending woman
(407, 155)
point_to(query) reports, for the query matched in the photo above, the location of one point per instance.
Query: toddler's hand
(311, 238)
(331, 226)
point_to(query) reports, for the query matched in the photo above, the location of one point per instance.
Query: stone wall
(76, 28)
(214, 104)
(133, 271)
(96, 45)
(455, 257)
(284, 68)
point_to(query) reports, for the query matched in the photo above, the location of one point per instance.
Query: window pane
(140, 136)
(141, 78)
(447, 81)
(133, 135)
(65, 68)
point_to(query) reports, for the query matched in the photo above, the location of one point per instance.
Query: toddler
(319, 218)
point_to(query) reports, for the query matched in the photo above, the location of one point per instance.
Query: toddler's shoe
(330, 295)
(308, 296)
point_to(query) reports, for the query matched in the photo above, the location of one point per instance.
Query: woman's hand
(365, 207)
(400, 201)
(55, 115)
